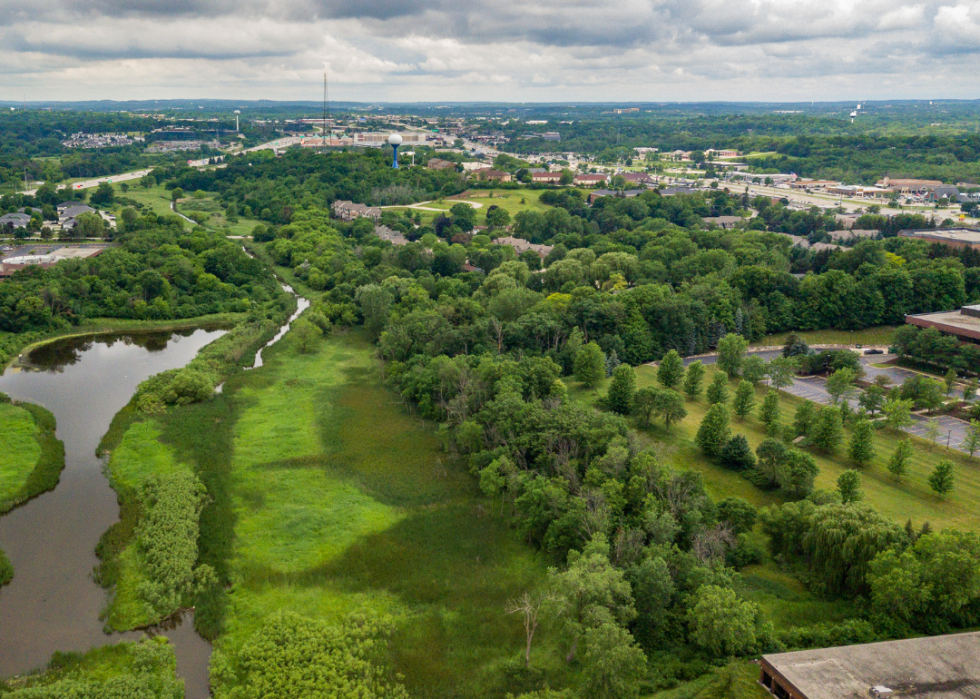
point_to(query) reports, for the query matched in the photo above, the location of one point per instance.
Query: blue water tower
(395, 140)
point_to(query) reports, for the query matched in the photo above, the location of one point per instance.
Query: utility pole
(324, 127)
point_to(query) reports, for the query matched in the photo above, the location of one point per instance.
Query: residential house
(487, 173)
(348, 210)
(440, 164)
(394, 237)
(520, 245)
(628, 194)
(641, 178)
(14, 221)
(726, 222)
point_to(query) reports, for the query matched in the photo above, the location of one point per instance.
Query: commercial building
(964, 324)
(954, 237)
(45, 256)
(546, 177)
(378, 139)
(440, 164)
(590, 180)
(937, 667)
(486, 173)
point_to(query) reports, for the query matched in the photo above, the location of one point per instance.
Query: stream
(53, 604)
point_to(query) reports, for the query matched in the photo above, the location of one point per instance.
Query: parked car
(873, 351)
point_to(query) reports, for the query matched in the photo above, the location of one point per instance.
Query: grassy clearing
(33, 456)
(746, 685)
(869, 336)
(341, 501)
(508, 199)
(912, 498)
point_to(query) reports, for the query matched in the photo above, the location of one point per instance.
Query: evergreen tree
(590, 365)
(612, 361)
(769, 412)
(737, 454)
(941, 479)
(694, 380)
(744, 399)
(862, 447)
(622, 389)
(713, 433)
(898, 464)
(670, 373)
(849, 487)
(828, 430)
(718, 388)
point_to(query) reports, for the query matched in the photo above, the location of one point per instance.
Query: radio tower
(324, 111)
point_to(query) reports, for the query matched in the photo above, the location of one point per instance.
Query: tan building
(954, 237)
(440, 164)
(964, 323)
(348, 210)
(937, 667)
(487, 173)
(546, 177)
(520, 245)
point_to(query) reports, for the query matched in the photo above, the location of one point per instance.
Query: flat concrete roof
(957, 235)
(936, 667)
(954, 322)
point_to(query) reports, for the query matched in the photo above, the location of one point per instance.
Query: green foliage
(828, 431)
(613, 665)
(798, 474)
(849, 487)
(669, 406)
(294, 657)
(898, 463)
(6, 569)
(590, 365)
(737, 454)
(713, 433)
(769, 412)
(694, 380)
(840, 384)
(717, 392)
(34, 456)
(744, 400)
(804, 418)
(835, 542)
(738, 513)
(622, 389)
(166, 541)
(670, 373)
(731, 353)
(307, 334)
(721, 623)
(145, 669)
(941, 479)
(862, 446)
(928, 588)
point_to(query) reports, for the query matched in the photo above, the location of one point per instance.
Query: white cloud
(493, 50)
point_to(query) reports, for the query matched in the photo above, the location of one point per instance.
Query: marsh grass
(363, 512)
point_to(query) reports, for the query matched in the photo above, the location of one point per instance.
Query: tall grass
(33, 456)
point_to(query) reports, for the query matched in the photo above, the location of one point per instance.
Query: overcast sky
(501, 50)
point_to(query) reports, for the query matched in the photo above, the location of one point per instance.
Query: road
(111, 179)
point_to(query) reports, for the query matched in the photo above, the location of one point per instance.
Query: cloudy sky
(502, 50)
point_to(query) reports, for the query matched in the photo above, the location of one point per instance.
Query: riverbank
(33, 455)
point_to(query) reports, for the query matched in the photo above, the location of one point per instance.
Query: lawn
(868, 337)
(508, 199)
(910, 499)
(328, 497)
(157, 199)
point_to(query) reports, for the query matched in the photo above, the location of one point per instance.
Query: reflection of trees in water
(55, 356)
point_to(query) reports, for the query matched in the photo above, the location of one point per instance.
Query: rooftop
(937, 667)
(957, 235)
(964, 322)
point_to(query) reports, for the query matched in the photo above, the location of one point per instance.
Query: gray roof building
(15, 220)
(73, 211)
(937, 667)
(394, 237)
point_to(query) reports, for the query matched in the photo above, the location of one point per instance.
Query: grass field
(508, 199)
(869, 336)
(157, 199)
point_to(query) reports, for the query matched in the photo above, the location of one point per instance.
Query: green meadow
(327, 496)
(868, 337)
(512, 200)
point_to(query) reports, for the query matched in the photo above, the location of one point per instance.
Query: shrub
(737, 454)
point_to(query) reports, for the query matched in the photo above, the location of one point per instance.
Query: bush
(737, 454)
(6, 569)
